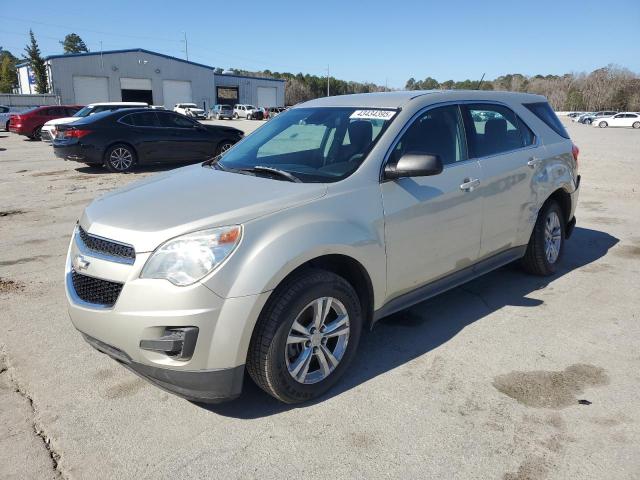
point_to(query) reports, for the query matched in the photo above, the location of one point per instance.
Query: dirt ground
(507, 377)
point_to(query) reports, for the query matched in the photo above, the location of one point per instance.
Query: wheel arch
(120, 142)
(563, 198)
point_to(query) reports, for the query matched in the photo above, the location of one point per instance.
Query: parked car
(190, 110)
(247, 111)
(624, 119)
(589, 119)
(48, 132)
(275, 256)
(582, 116)
(123, 139)
(271, 112)
(573, 115)
(157, 107)
(221, 111)
(5, 114)
(30, 123)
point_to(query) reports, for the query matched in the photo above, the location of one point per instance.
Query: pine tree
(36, 62)
(8, 73)
(72, 43)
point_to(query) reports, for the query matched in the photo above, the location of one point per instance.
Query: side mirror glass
(414, 164)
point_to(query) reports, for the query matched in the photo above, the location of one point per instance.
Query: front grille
(107, 247)
(96, 291)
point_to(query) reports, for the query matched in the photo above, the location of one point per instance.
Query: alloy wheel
(121, 159)
(552, 237)
(317, 340)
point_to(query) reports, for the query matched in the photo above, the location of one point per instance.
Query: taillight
(75, 133)
(575, 151)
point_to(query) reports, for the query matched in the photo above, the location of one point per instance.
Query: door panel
(432, 225)
(510, 157)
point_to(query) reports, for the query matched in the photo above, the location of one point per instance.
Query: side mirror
(414, 164)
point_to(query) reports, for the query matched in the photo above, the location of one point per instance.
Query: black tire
(635, 125)
(588, 122)
(224, 146)
(266, 362)
(235, 115)
(6, 127)
(249, 116)
(120, 167)
(535, 260)
(37, 134)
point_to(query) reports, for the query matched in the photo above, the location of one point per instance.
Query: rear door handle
(468, 184)
(534, 162)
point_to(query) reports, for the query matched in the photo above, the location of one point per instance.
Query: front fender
(350, 224)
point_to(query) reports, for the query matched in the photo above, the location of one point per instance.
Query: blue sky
(360, 40)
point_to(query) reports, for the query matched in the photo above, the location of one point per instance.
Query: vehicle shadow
(416, 331)
(156, 167)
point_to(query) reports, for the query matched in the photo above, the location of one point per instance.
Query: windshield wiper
(276, 171)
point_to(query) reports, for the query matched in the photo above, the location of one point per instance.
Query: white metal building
(138, 75)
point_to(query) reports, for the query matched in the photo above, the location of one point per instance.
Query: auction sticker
(373, 114)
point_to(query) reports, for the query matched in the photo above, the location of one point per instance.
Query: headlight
(186, 259)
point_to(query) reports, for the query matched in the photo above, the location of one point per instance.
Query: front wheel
(635, 125)
(235, 115)
(37, 134)
(588, 122)
(546, 244)
(603, 124)
(306, 336)
(223, 147)
(120, 158)
(249, 116)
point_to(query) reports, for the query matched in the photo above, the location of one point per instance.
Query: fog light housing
(177, 342)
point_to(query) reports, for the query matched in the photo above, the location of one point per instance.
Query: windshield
(314, 144)
(83, 112)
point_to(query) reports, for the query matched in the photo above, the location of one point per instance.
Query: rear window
(543, 111)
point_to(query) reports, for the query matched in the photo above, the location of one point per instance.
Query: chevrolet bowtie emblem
(80, 263)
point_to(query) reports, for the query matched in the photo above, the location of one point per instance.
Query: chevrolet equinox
(275, 255)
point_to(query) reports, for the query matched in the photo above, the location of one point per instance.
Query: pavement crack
(37, 429)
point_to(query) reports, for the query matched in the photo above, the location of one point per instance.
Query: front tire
(223, 147)
(37, 133)
(306, 336)
(603, 124)
(635, 125)
(546, 244)
(249, 117)
(120, 158)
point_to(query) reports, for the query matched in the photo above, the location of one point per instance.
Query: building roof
(233, 75)
(128, 50)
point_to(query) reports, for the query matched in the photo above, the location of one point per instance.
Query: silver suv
(273, 257)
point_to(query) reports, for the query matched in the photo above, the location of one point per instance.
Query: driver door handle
(468, 184)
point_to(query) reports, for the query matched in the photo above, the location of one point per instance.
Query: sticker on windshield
(373, 114)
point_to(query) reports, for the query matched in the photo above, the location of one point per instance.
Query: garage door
(267, 97)
(176, 91)
(90, 89)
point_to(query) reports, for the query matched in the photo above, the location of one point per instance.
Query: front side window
(313, 144)
(494, 129)
(439, 131)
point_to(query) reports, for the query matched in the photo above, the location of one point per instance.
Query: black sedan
(122, 139)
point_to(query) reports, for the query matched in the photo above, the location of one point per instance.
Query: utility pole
(327, 80)
(186, 46)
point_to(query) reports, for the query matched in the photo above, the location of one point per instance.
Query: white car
(49, 130)
(622, 119)
(247, 111)
(189, 110)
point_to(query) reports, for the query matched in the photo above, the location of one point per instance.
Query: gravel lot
(509, 376)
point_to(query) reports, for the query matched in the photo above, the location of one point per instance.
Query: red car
(30, 123)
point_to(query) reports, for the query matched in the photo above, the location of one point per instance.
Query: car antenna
(480, 82)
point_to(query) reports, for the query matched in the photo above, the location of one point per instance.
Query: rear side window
(494, 129)
(172, 120)
(544, 112)
(147, 119)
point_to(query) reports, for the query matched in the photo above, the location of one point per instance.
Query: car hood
(61, 121)
(147, 213)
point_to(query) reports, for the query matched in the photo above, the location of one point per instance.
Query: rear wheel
(546, 244)
(6, 127)
(306, 336)
(635, 125)
(235, 115)
(120, 158)
(603, 124)
(249, 116)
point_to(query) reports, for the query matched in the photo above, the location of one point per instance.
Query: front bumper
(145, 309)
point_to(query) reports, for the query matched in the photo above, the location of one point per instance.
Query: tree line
(72, 43)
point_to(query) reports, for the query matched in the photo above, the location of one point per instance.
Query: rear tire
(546, 245)
(120, 158)
(291, 359)
(235, 115)
(6, 127)
(249, 116)
(603, 124)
